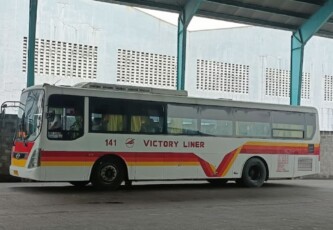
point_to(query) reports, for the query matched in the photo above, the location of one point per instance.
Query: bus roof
(158, 95)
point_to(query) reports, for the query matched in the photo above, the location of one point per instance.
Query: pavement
(279, 204)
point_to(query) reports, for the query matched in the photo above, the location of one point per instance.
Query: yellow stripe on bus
(18, 163)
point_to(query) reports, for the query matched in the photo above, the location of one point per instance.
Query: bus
(108, 135)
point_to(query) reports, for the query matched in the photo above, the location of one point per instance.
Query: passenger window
(288, 124)
(107, 115)
(216, 121)
(252, 123)
(65, 121)
(146, 117)
(116, 115)
(182, 119)
(175, 125)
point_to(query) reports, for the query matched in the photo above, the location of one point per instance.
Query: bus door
(64, 155)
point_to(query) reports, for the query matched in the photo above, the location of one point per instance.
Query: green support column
(298, 41)
(31, 43)
(184, 20)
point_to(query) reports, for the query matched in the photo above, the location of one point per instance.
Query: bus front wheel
(254, 173)
(108, 173)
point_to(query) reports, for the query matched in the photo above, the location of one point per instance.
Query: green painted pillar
(297, 51)
(31, 42)
(184, 20)
(298, 41)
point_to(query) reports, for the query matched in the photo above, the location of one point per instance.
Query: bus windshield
(30, 115)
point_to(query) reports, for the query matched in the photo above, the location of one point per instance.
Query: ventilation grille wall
(148, 69)
(328, 88)
(278, 83)
(62, 59)
(221, 76)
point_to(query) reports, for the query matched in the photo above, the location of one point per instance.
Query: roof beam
(298, 41)
(257, 22)
(313, 2)
(185, 17)
(264, 9)
(261, 8)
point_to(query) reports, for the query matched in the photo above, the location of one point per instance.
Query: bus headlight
(35, 159)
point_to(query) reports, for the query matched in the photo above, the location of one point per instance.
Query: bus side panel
(282, 166)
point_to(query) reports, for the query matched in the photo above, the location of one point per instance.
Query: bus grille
(304, 164)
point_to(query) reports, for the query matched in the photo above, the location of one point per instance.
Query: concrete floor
(285, 204)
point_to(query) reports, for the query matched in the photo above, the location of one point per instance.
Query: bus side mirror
(50, 115)
(3, 107)
(3, 112)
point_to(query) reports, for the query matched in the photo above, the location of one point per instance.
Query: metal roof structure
(304, 18)
(279, 14)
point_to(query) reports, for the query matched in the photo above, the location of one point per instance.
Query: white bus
(110, 134)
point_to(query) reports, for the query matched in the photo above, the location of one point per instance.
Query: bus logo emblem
(129, 142)
(18, 156)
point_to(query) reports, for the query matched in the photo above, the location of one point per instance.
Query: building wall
(326, 159)
(85, 23)
(129, 47)
(13, 26)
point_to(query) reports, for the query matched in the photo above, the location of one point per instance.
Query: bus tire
(79, 184)
(217, 182)
(254, 173)
(108, 173)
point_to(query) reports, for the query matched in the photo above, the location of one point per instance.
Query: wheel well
(110, 158)
(265, 163)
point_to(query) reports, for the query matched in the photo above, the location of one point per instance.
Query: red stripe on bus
(225, 162)
(206, 168)
(21, 147)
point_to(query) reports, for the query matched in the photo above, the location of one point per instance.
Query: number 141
(110, 142)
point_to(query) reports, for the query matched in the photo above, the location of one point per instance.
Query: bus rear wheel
(108, 174)
(254, 173)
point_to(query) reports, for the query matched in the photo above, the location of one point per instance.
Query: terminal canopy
(282, 14)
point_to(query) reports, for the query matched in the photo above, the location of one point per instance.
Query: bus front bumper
(22, 172)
